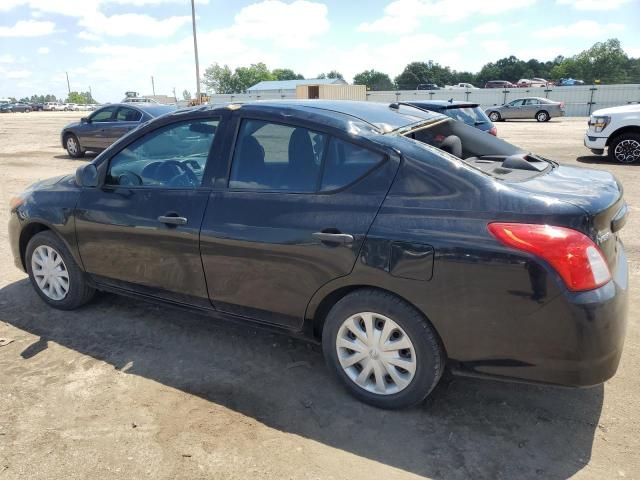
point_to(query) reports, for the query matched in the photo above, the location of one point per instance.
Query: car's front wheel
(382, 349)
(73, 147)
(494, 116)
(54, 273)
(625, 148)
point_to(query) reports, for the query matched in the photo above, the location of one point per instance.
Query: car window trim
(105, 186)
(240, 116)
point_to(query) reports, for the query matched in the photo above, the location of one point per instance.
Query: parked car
(569, 82)
(59, 107)
(37, 107)
(403, 240)
(15, 107)
(499, 84)
(469, 113)
(542, 109)
(50, 106)
(427, 86)
(616, 129)
(104, 126)
(70, 107)
(534, 82)
(461, 86)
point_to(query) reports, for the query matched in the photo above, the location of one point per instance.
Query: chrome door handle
(340, 238)
(172, 220)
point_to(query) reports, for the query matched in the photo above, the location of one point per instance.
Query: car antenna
(451, 100)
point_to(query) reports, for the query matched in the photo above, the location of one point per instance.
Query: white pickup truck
(618, 129)
(461, 86)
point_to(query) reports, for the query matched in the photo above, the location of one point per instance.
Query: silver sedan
(542, 109)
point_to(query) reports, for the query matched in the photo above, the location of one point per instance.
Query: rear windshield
(479, 149)
(468, 115)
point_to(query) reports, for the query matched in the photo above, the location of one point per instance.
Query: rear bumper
(574, 340)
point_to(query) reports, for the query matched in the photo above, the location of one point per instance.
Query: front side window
(173, 156)
(126, 114)
(272, 156)
(104, 115)
(532, 101)
(515, 103)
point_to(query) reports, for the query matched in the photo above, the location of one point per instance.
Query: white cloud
(92, 37)
(28, 28)
(488, 28)
(582, 28)
(594, 4)
(43, 50)
(17, 74)
(405, 15)
(6, 58)
(132, 24)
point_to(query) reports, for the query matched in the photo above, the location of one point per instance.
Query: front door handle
(339, 238)
(172, 220)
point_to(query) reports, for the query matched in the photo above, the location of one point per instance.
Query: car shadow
(87, 157)
(602, 160)
(467, 429)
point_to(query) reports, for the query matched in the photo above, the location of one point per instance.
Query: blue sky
(116, 45)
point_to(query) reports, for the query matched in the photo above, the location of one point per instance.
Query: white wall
(579, 101)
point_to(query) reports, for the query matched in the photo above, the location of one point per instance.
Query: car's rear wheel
(494, 116)
(72, 145)
(382, 349)
(54, 273)
(542, 116)
(625, 148)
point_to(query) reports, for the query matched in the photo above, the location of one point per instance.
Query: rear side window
(126, 114)
(345, 163)
(272, 156)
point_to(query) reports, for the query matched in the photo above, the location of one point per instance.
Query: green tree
(374, 80)
(286, 74)
(416, 73)
(223, 80)
(331, 74)
(186, 94)
(79, 97)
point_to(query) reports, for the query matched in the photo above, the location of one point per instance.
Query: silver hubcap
(627, 151)
(542, 117)
(376, 353)
(494, 117)
(50, 272)
(72, 146)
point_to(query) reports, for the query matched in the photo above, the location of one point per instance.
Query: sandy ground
(124, 389)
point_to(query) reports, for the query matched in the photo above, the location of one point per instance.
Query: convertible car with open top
(402, 240)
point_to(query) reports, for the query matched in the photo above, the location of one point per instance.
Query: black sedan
(404, 241)
(104, 126)
(469, 113)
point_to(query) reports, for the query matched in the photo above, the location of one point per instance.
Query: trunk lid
(598, 193)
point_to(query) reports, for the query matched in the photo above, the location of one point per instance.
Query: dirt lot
(124, 389)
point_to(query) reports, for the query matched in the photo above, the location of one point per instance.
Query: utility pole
(195, 50)
(90, 99)
(68, 85)
(153, 86)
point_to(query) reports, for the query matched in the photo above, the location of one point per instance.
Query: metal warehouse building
(288, 87)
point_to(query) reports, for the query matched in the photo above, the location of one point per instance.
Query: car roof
(153, 109)
(384, 117)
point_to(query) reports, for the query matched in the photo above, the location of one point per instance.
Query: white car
(71, 107)
(618, 130)
(461, 86)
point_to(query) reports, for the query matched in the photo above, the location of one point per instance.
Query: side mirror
(85, 120)
(87, 175)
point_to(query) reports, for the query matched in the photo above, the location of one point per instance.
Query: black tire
(430, 359)
(625, 148)
(79, 291)
(542, 116)
(74, 152)
(495, 116)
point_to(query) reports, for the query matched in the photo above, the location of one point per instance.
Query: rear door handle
(340, 238)
(172, 220)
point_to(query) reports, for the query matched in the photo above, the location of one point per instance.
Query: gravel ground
(125, 389)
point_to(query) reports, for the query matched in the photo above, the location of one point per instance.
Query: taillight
(572, 254)
(493, 131)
